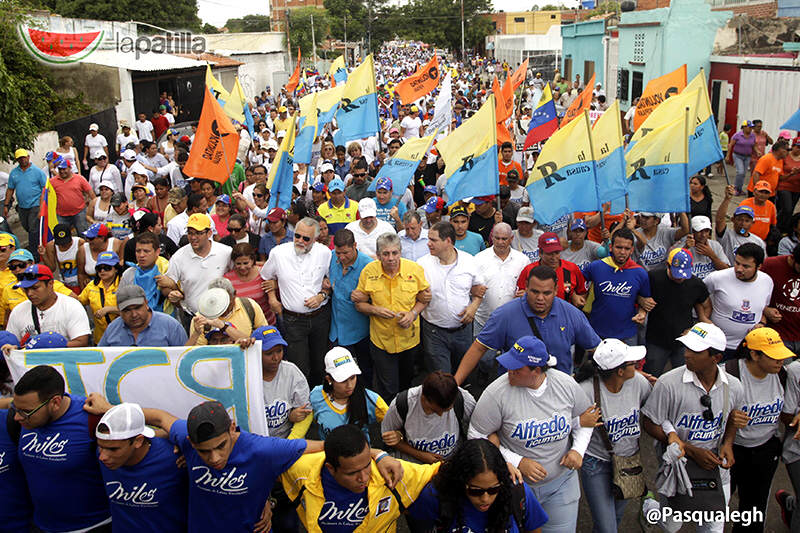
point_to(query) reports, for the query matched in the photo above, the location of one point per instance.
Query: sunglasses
(705, 401)
(16, 266)
(103, 268)
(256, 195)
(234, 230)
(359, 175)
(476, 492)
(305, 238)
(31, 276)
(27, 414)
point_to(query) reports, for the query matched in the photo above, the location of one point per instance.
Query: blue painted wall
(789, 8)
(581, 42)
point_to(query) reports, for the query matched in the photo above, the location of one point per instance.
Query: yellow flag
(282, 165)
(324, 100)
(216, 87)
(607, 131)
(337, 64)
(703, 102)
(476, 135)
(234, 105)
(414, 148)
(666, 112)
(665, 145)
(361, 81)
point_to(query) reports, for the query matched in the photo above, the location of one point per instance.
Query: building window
(622, 84)
(519, 19)
(552, 16)
(638, 47)
(637, 84)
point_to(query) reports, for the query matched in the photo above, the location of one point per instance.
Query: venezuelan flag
(357, 116)
(47, 213)
(544, 120)
(401, 167)
(307, 126)
(657, 169)
(470, 156)
(281, 174)
(609, 153)
(563, 179)
(704, 146)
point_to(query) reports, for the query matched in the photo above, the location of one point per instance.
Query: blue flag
(357, 116)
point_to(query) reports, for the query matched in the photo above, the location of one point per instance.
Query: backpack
(732, 368)
(401, 403)
(518, 509)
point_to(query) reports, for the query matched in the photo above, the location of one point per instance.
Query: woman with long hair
(167, 147)
(473, 491)
(101, 293)
(246, 279)
(700, 197)
(343, 398)
(66, 149)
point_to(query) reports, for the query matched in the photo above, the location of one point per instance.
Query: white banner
(442, 110)
(174, 379)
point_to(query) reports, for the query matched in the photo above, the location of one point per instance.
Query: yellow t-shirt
(240, 320)
(97, 297)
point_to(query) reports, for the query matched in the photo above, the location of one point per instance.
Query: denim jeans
(742, 164)
(77, 221)
(444, 349)
(657, 357)
(559, 498)
(606, 511)
(29, 219)
(786, 202)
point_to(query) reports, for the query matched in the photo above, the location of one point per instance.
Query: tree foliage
(171, 14)
(209, 28)
(438, 22)
(249, 23)
(300, 29)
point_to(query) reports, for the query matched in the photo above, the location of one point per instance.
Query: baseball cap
(700, 222)
(612, 353)
(525, 214)
(431, 189)
(61, 163)
(282, 109)
(107, 258)
(649, 214)
(199, 221)
(319, 186)
(123, 421)
(785, 134)
(98, 229)
(21, 152)
(275, 214)
(434, 203)
(703, 336)
(527, 351)
(457, 211)
(6, 337)
(145, 220)
(367, 208)
(326, 167)
(176, 194)
(414, 109)
(137, 168)
(478, 200)
(768, 340)
(185, 139)
(46, 339)
(130, 295)
(383, 183)
(271, 145)
(94, 127)
(34, 274)
(549, 242)
(117, 199)
(269, 337)
(577, 224)
(109, 185)
(680, 263)
(763, 185)
(224, 198)
(213, 302)
(336, 184)
(22, 254)
(207, 421)
(745, 210)
(61, 234)
(340, 365)
(747, 123)
(138, 186)
(129, 155)
(6, 239)
(394, 130)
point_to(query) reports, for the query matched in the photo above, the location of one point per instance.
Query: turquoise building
(583, 50)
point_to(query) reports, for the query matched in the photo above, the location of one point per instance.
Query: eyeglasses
(31, 276)
(305, 238)
(27, 414)
(16, 266)
(256, 195)
(476, 492)
(234, 230)
(359, 175)
(103, 268)
(705, 401)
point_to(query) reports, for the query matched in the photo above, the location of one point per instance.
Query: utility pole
(369, 25)
(313, 43)
(463, 53)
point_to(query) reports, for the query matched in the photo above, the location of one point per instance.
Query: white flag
(442, 111)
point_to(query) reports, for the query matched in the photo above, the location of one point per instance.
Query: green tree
(300, 29)
(353, 13)
(438, 22)
(550, 7)
(249, 23)
(173, 14)
(209, 28)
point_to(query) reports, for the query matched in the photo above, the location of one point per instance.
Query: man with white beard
(299, 269)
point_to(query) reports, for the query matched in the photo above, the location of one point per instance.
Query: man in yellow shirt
(10, 297)
(283, 120)
(339, 211)
(393, 291)
(7, 246)
(342, 489)
(243, 314)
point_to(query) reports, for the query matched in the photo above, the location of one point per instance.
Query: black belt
(450, 330)
(313, 313)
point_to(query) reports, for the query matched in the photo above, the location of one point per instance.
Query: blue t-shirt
(267, 242)
(472, 243)
(150, 495)
(383, 210)
(348, 326)
(615, 292)
(233, 498)
(343, 510)
(63, 474)
(328, 417)
(426, 507)
(27, 185)
(16, 509)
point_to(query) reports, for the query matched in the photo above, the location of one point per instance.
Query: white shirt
(67, 317)
(450, 285)
(176, 227)
(96, 143)
(501, 279)
(123, 140)
(411, 127)
(144, 130)
(366, 242)
(108, 174)
(737, 305)
(413, 250)
(299, 276)
(194, 273)
(173, 171)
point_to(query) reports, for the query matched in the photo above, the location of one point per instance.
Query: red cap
(549, 242)
(275, 214)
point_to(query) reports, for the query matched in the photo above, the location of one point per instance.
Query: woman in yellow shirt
(101, 293)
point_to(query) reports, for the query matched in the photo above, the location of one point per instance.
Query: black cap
(118, 199)
(207, 421)
(62, 234)
(459, 210)
(146, 220)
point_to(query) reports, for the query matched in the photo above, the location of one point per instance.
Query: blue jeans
(596, 480)
(443, 348)
(77, 221)
(742, 164)
(559, 498)
(657, 357)
(29, 218)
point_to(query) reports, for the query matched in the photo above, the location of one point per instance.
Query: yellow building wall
(528, 22)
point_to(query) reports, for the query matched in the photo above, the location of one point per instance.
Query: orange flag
(508, 98)
(215, 144)
(294, 80)
(581, 103)
(503, 135)
(500, 111)
(422, 82)
(519, 75)
(658, 90)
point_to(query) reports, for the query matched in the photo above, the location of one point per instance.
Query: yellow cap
(282, 109)
(6, 239)
(199, 222)
(21, 152)
(768, 341)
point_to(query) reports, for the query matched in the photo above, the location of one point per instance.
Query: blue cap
(50, 156)
(680, 263)
(98, 229)
(336, 184)
(578, 224)
(47, 339)
(745, 210)
(20, 255)
(34, 274)
(319, 186)
(107, 258)
(269, 337)
(431, 189)
(527, 351)
(224, 198)
(60, 162)
(6, 337)
(383, 183)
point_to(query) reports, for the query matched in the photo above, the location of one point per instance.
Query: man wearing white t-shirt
(144, 128)
(46, 310)
(368, 228)
(410, 125)
(125, 136)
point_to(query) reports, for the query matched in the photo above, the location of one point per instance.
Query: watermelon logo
(59, 48)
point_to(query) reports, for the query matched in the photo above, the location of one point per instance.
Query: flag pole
(594, 162)
(686, 156)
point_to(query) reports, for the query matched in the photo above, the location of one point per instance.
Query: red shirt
(160, 125)
(69, 194)
(577, 283)
(785, 296)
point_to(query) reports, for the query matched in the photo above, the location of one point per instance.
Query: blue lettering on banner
(277, 413)
(442, 446)
(623, 426)
(699, 429)
(763, 414)
(538, 432)
(69, 361)
(127, 363)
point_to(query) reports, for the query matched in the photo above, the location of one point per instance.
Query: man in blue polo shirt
(560, 325)
(618, 284)
(138, 325)
(386, 203)
(27, 181)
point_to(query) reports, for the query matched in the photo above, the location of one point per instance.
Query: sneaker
(649, 502)
(786, 503)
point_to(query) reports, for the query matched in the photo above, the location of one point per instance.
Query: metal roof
(245, 43)
(149, 62)
(215, 59)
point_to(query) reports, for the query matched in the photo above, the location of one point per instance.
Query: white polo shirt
(501, 279)
(194, 273)
(450, 285)
(366, 242)
(299, 276)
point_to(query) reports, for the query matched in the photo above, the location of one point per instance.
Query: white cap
(612, 353)
(94, 127)
(213, 302)
(525, 214)
(340, 365)
(703, 336)
(137, 168)
(295, 167)
(325, 167)
(108, 183)
(700, 222)
(367, 208)
(123, 421)
(271, 144)
(129, 155)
